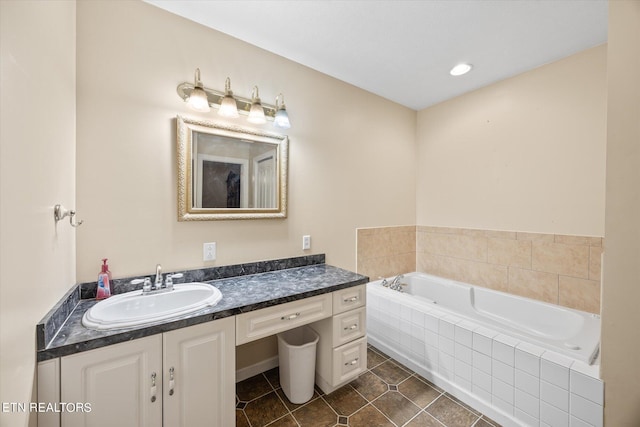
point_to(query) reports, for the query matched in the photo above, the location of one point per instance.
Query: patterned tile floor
(387, 394)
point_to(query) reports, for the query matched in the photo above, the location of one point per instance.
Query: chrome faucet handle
(146, 287)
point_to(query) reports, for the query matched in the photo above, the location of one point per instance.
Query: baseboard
(256, 368)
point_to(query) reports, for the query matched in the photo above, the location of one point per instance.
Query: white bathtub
(563, 330)
(518, 360)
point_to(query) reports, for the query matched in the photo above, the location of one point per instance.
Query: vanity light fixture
(282, 118)
(256, 113)
(460, 69)
(198, 97)
(230, 105)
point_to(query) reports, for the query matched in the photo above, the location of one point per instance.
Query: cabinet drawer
(349, 361)
(349, 326)
(268, 321)
(348, 299)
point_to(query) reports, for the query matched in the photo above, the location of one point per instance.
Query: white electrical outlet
(306, 242)
(209, 251)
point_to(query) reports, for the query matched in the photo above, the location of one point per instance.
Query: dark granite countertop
(240, 294)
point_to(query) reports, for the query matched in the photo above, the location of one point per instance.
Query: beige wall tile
(527, 264)
(473, 232)
(472, 272)
(437, 265)
(364, 231)
(483, 274)
(534, 284)
(382, 230)
(595, 241)
(572, 240)
(489, 233)
(374, 245)
(570, 260)
(403, 263)
(387, 266)
(595, 262)
(509, 252)
(497, 234)
(454, 245)
(580, 294)
(402, 242)
(371, 246)
(535, 236)
(441, 230)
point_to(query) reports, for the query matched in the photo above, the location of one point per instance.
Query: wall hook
(59, 213)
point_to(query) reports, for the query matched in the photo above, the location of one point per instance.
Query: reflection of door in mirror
(223, 182)
(265, 185)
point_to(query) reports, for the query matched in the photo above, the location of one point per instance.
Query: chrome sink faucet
(158, 281)
(157, 286)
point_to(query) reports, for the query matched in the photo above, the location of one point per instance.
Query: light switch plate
(306, 242)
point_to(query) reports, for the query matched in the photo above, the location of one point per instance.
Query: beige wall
(351, 153)
(526, 153)
(621, 279)
(37, 155)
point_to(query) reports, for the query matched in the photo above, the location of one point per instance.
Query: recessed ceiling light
(460, 69)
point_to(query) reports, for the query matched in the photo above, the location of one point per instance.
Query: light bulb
(198, 97)
(256, 113)
(228, 106)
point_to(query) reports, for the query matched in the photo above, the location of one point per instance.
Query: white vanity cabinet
(186, 377)
(121, 382)
(182, 378)
(341, 353)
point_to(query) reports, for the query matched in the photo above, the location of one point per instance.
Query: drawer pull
(352, 327)
(290, 317)
(172, 382)
(153, 387)
(352, 299)
(353, 362)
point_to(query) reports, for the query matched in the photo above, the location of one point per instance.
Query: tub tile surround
(514, 382)
(554, 268)
(386, 251)
(262, 285)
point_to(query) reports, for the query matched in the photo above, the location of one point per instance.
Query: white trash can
(297, 357)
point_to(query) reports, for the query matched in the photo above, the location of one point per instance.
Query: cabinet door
(117, 382)
(199, 375)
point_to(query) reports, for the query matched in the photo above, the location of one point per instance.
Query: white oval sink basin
(134, 309)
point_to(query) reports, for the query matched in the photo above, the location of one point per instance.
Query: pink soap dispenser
(104, 289)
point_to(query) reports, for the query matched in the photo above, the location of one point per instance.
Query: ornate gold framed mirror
(230, 172)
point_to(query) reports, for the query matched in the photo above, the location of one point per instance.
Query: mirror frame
(186, 211)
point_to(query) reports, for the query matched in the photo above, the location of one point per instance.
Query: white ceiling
(403, 50)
